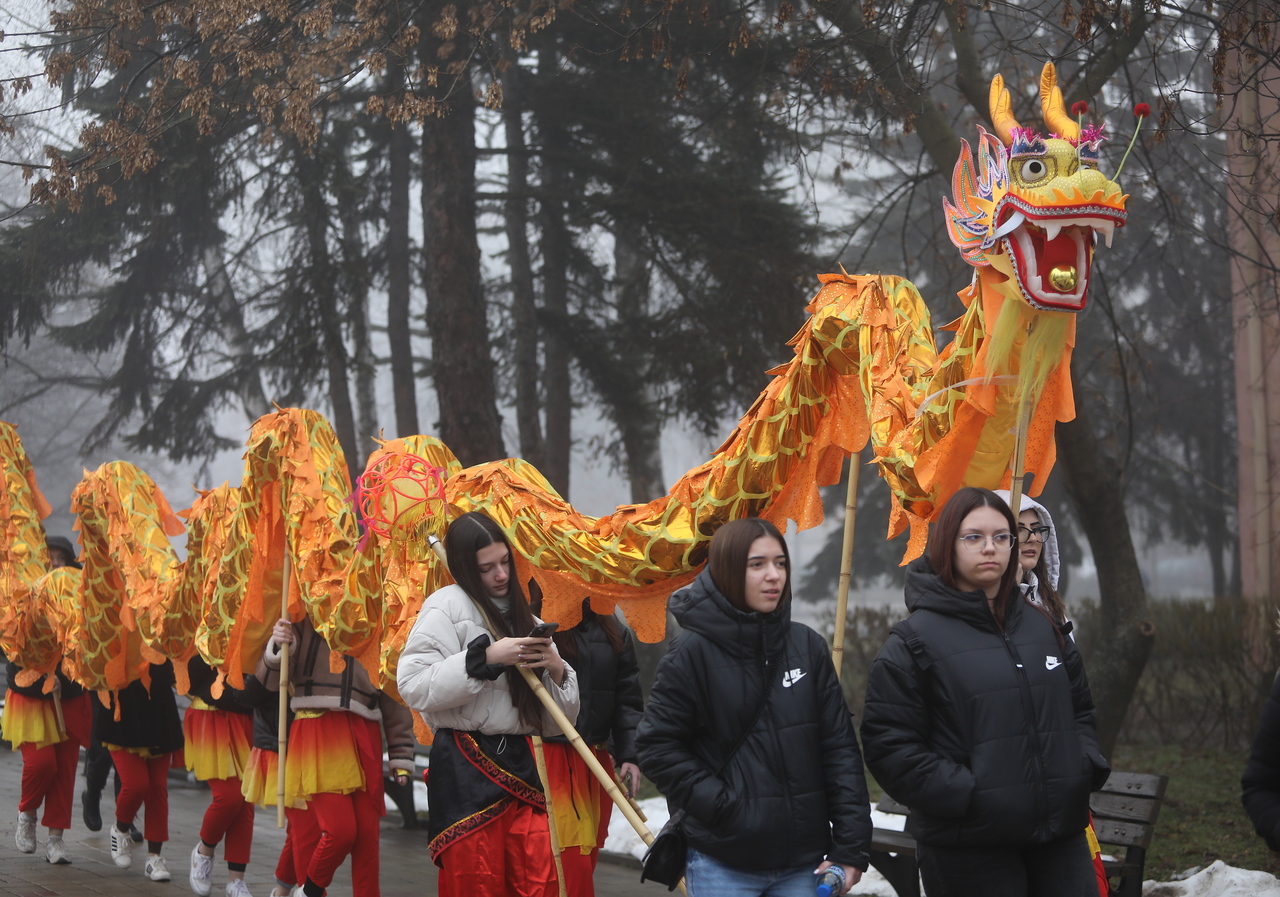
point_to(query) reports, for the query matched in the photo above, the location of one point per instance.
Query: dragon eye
(1033, 170)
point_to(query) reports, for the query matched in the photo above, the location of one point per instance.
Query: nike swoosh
(792, 680)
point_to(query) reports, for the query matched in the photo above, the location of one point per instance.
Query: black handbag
(666, 858)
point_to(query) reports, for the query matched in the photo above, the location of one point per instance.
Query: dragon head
(1033, 207)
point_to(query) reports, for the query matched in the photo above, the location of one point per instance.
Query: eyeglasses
(1039, 531)
(977, 541)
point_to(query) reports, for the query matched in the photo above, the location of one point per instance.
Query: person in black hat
(62, 552)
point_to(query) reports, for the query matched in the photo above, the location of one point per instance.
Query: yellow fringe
(1045, 336)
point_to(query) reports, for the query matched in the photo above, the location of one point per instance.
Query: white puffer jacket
(432, 674)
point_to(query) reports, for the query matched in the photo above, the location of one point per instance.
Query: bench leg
(1131, 884)
(900, 871)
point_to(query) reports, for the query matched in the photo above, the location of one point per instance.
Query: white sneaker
(156, 870)
(237, 888)
(25, 834)
(121, 844)
(56, 852)
(201, 872)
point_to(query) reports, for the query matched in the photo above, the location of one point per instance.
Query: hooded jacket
(794, 791)
(987, 735)
(1030, 583)
(610, 699)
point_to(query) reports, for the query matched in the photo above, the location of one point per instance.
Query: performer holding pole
(466, 667)
(334, 762)
(283, 718)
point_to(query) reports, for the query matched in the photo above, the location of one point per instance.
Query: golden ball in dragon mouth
(1063, 278)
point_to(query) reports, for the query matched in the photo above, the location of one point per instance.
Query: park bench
(1125, 811)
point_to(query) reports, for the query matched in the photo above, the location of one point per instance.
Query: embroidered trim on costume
(465, 826)
(496, 774)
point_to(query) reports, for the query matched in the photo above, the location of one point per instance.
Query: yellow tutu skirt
(31, 720)
(217, 743)
(323, 757)
(260, 782)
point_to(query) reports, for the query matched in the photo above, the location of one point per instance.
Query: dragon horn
(1055, 112)
(1001, 117)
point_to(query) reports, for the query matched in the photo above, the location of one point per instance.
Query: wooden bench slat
(1123, 834)
(1124, 807)
(1137, 784)
(893, 842)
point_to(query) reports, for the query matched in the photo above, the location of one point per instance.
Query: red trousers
(300, 840)
(144, 780)
(49, 777)
(229, 815)
(509, 857)
(349, 823)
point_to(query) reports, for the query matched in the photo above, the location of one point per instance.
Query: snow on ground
(1217, 880)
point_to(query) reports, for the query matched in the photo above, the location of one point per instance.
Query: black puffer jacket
(1261, 781)
(794, 791)
(987, 736)
(608, 689)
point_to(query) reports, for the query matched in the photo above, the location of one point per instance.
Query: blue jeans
(707, 877)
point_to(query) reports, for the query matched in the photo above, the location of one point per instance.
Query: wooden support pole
(284, 693)
(846, 561)
(1020, 458)
(540, 757)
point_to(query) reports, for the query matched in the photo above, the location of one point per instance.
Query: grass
(1202, 819)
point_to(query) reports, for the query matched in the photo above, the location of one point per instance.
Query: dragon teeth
(1052, 229)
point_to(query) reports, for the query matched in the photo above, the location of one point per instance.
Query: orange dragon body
(1025, 213)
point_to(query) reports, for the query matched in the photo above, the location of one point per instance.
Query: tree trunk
(1253, 198)
(249, 381)
(639, 423)
(355, 280)
(555, 290)
(1118, 652)
(323, 282)
(523, 301)
(456, 315)
(403, 385)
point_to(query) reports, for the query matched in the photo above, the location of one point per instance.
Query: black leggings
(1058, 869)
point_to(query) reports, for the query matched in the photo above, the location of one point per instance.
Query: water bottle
(831, 881)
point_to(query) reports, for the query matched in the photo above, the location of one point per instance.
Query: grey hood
(1052, 559)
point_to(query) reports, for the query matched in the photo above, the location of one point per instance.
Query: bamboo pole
(606, 780)
(57, 711)
(540, 757)
(846, 561)
(284, 694)
(1020, 458)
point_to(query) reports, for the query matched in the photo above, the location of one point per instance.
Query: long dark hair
(466, 536)
(945, 532)
(727, 558)
(1048, 594)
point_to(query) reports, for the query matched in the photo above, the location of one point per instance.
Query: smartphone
(543, 630)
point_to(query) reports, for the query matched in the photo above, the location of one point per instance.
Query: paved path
(407, 870)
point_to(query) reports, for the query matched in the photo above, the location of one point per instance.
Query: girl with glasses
(1038, 556)
(978, 717)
